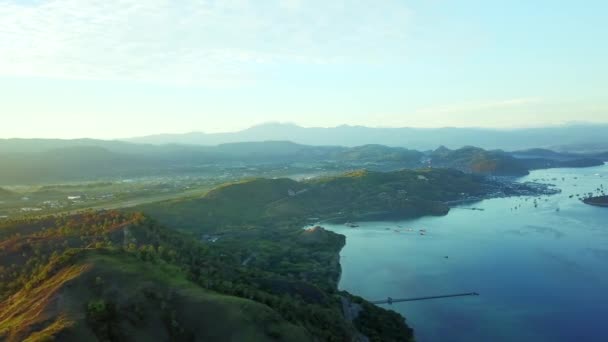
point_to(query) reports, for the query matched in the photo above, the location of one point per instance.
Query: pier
(468, 208)
(390, 300)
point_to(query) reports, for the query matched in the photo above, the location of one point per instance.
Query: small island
(600, 201)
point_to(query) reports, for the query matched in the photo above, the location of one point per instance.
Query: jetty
(390, 300)
(468, 208)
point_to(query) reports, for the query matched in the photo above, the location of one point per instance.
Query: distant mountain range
(40, 161)
(577, 138)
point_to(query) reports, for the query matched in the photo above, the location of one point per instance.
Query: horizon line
(292, 124)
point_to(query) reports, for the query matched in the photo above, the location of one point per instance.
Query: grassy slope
(142, 302)
(41, 273)
(31, 308)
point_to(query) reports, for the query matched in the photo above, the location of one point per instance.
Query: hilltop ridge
(115, 276)
(416, 138)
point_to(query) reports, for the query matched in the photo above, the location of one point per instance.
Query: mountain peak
(415, 138)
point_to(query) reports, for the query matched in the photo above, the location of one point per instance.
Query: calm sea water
(542, 274)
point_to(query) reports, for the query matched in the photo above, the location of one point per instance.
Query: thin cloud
(477, 106)
(201, 42)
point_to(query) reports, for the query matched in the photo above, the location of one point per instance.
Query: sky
(122, 68)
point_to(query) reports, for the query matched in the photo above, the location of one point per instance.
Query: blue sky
(119, 68)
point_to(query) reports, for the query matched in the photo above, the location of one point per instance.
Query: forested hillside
(116, 276)
(352, 196)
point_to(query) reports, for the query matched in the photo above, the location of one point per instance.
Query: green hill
(380, 154)
(102, 296)
(121, 276)
(354, 196)
(260, 220)
(477, 160)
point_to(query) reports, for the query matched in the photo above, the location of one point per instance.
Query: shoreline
(504, 189)
(418, 318)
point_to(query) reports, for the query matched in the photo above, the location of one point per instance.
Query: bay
(541, 270)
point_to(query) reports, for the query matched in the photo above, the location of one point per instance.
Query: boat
(351, 225)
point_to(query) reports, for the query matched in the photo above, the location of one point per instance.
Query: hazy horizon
(68, 69)
(278, 124)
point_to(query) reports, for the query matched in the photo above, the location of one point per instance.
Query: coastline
(502, 189)
(488, 235)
